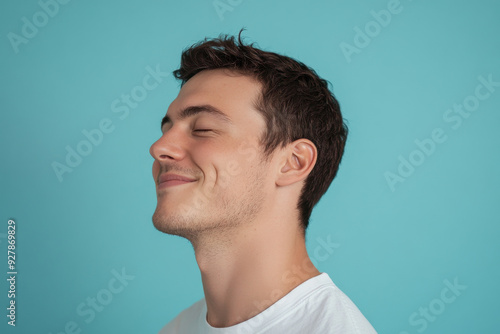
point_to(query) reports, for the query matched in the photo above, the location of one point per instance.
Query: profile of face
(209, 168)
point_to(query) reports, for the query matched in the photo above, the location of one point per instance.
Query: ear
(299, 159)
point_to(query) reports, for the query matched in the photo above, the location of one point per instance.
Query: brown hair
(295, 102)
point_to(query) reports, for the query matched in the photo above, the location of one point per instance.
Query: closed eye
(203, 132)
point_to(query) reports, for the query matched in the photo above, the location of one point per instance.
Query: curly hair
(295, 103)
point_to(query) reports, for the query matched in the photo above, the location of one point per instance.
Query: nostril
(168, 156)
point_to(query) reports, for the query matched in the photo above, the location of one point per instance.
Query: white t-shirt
(315, 306)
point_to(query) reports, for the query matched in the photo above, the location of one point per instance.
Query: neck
(245, 270)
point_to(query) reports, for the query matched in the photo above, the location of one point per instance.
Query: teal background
(395, 248)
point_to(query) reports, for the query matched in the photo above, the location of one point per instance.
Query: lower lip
(172, 183)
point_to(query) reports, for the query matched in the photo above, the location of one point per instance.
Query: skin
(240, 212)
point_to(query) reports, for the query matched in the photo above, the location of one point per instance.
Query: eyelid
(203, 132)
(165, 127)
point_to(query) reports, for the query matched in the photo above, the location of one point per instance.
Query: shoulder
(333, 311)
(186, 321)
(315, 306)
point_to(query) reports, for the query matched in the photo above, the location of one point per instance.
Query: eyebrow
(194, 110)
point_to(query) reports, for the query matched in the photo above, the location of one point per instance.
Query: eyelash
(202, 132)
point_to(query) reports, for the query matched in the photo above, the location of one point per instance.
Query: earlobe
(300, 158)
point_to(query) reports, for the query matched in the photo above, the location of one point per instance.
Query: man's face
(209, 168)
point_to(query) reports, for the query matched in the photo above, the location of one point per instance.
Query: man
(248, 147)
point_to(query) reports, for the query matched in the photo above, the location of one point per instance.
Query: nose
(167, 147)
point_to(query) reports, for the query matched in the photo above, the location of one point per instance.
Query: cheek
(230, 163)
(239, 168)
(218, 165)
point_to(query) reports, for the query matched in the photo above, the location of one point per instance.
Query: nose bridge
(168, 146)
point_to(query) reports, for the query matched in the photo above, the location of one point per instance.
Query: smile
(171, 180)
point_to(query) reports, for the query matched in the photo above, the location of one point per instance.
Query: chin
(173, 224)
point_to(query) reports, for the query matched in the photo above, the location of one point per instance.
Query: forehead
(233, 93)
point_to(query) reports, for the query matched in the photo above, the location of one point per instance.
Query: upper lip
(169, 177)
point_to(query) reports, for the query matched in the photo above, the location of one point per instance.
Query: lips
(168, 180)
